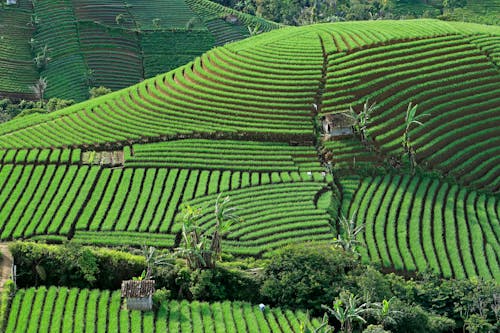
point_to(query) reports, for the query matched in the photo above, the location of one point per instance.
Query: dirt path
(6, 265)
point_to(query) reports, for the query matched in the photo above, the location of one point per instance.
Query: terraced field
(17, 71)
(418, 223)
(240, 120)
(81, 310)
(87, 43)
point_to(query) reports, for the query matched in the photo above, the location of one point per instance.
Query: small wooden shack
(337, 124)
(231, 19)
(138, 294)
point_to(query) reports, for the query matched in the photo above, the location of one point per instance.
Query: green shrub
(306, 276)
(222, 284)
(73, 265)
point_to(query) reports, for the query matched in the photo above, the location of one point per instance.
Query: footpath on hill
(6, 265)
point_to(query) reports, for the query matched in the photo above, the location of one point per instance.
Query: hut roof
(138, 289)
(339, 119)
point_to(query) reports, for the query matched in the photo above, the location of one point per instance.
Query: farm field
(243, 120)
(307, 132)
(17, 70)
(84, 43)
(81, 310)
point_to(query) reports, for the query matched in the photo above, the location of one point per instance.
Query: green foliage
(221, 284)
(348, 310)
(73, 266)
(201, 248)
(160, 296)
(375, 329)
(98, 91)
(306, 276)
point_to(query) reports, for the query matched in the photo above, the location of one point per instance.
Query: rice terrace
(182, 166)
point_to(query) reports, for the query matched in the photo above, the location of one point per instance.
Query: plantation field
(242, 120)
(86, 43)
(17, 71)
(418, 223)
(81, 310)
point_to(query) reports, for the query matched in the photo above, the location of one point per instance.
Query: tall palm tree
(349, 232)
(411, 118)
(39, 88)
(361, 119)
(224, 218)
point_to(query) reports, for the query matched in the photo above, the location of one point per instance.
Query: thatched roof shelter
(138, 289)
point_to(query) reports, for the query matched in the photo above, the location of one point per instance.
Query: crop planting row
(103, 13)
(42, 199)
(490, 44)
(450, 79)
(40, 156)
(146, 200)
(225, 32)
(17, 71)
(225, 155)
(271, 216)
(173, 104)
(81, 310)
(349, 153)
(208, 11)
(353, 36)
(172, 14)
(113, 55)
(266, 86)
(164, 51)
(112, 238)
(418, 223)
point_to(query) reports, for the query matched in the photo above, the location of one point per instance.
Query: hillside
(84, 43)
(239, 120)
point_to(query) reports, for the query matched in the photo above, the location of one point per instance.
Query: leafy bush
(222, 284)
(73, 265)
(306, 276)
(98, 91)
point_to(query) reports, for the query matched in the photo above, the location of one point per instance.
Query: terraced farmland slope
(87, 43)
(81, 310)
(240, 120)
(17, 70)
(415, 223)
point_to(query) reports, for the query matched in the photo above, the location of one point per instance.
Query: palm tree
(361, 119)
(153, 259)
(192, 242)
(324, 327)
(224, 218)
(39, 89)
(383, 312)
(347, 311)
(201, 249)
(347, 238)
(411, 118)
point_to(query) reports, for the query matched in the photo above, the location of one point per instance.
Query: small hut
(337, 124)
(139, 294)
(231, 19)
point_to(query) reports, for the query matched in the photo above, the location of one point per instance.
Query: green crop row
(414, 223)
(81, 310)
(40, 156)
